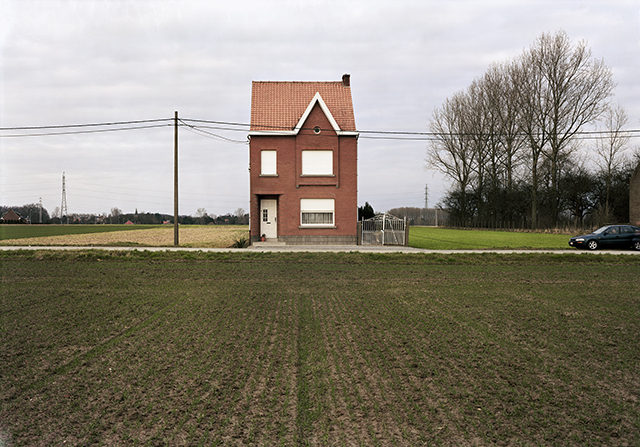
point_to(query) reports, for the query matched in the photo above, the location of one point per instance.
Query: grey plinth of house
(319, 240)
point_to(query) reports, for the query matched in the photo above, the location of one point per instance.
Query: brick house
(13, 217)
(303, 163)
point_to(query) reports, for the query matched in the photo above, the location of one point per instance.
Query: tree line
(35, 214)
(512, 143)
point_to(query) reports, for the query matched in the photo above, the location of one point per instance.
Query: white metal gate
(384, 229)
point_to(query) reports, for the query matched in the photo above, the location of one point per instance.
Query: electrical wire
(219, 128)
(396, 135)
(76, 132)
(67, 126)
(245, 127)
(211, 135)
(226, 123)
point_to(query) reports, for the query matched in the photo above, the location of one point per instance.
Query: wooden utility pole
(176, 240)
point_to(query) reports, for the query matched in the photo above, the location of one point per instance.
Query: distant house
(303, 163)
(13, 217)
(128, 222)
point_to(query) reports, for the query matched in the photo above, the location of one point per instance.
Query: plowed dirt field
(141, 348)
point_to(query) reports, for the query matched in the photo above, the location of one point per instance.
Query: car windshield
(601, 229)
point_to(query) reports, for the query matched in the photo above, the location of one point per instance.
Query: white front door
(269, 218)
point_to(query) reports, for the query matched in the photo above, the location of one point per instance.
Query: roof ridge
(297, 82)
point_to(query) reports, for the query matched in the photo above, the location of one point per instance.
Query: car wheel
(592, 244)
(636, 245)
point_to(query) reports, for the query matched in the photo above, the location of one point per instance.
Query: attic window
(317, 130)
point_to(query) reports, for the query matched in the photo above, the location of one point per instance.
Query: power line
(67, 126)
(226, 123)
(211, 135)
(395, 134)
(76, 132)
(245, 127)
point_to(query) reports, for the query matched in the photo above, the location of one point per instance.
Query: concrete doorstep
(268, 243)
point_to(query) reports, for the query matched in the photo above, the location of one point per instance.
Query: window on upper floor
(317, 162)
(268, 162)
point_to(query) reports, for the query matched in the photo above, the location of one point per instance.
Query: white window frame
(317, 162)
(269, 162)
(314, 213)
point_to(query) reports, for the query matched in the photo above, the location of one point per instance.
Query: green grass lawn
(28, 231)
(247, 348)
(432, 238)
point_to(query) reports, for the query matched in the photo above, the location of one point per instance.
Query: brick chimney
(346, 80)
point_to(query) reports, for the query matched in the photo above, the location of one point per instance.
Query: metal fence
(384, 229)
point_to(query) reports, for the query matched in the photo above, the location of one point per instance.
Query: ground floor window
(317, 218)
(317, 212)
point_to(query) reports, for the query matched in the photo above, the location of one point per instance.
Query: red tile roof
(280, 105)
(11, 215)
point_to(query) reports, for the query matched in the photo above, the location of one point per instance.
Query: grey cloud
(93, 61)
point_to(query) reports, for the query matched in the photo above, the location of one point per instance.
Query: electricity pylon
(63, 207)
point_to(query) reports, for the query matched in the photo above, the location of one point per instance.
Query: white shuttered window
(317, 212)
(317, 162)
(268, 163)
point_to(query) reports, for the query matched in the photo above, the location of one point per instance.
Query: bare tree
(450, 151)
(533, 104)
(201, 214)
(481, 121)
(611, 145)
(570, 90)
(479, 126)
(520, 118)
(241, 216)
(115, 214)
(507, 141)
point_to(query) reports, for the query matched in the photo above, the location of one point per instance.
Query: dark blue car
(610, 236)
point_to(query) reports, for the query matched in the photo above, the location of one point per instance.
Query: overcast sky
(96, 61)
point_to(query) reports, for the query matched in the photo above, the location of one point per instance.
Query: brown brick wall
(289, 186)
(634, 197)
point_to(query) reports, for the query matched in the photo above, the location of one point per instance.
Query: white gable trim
(316, 99)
